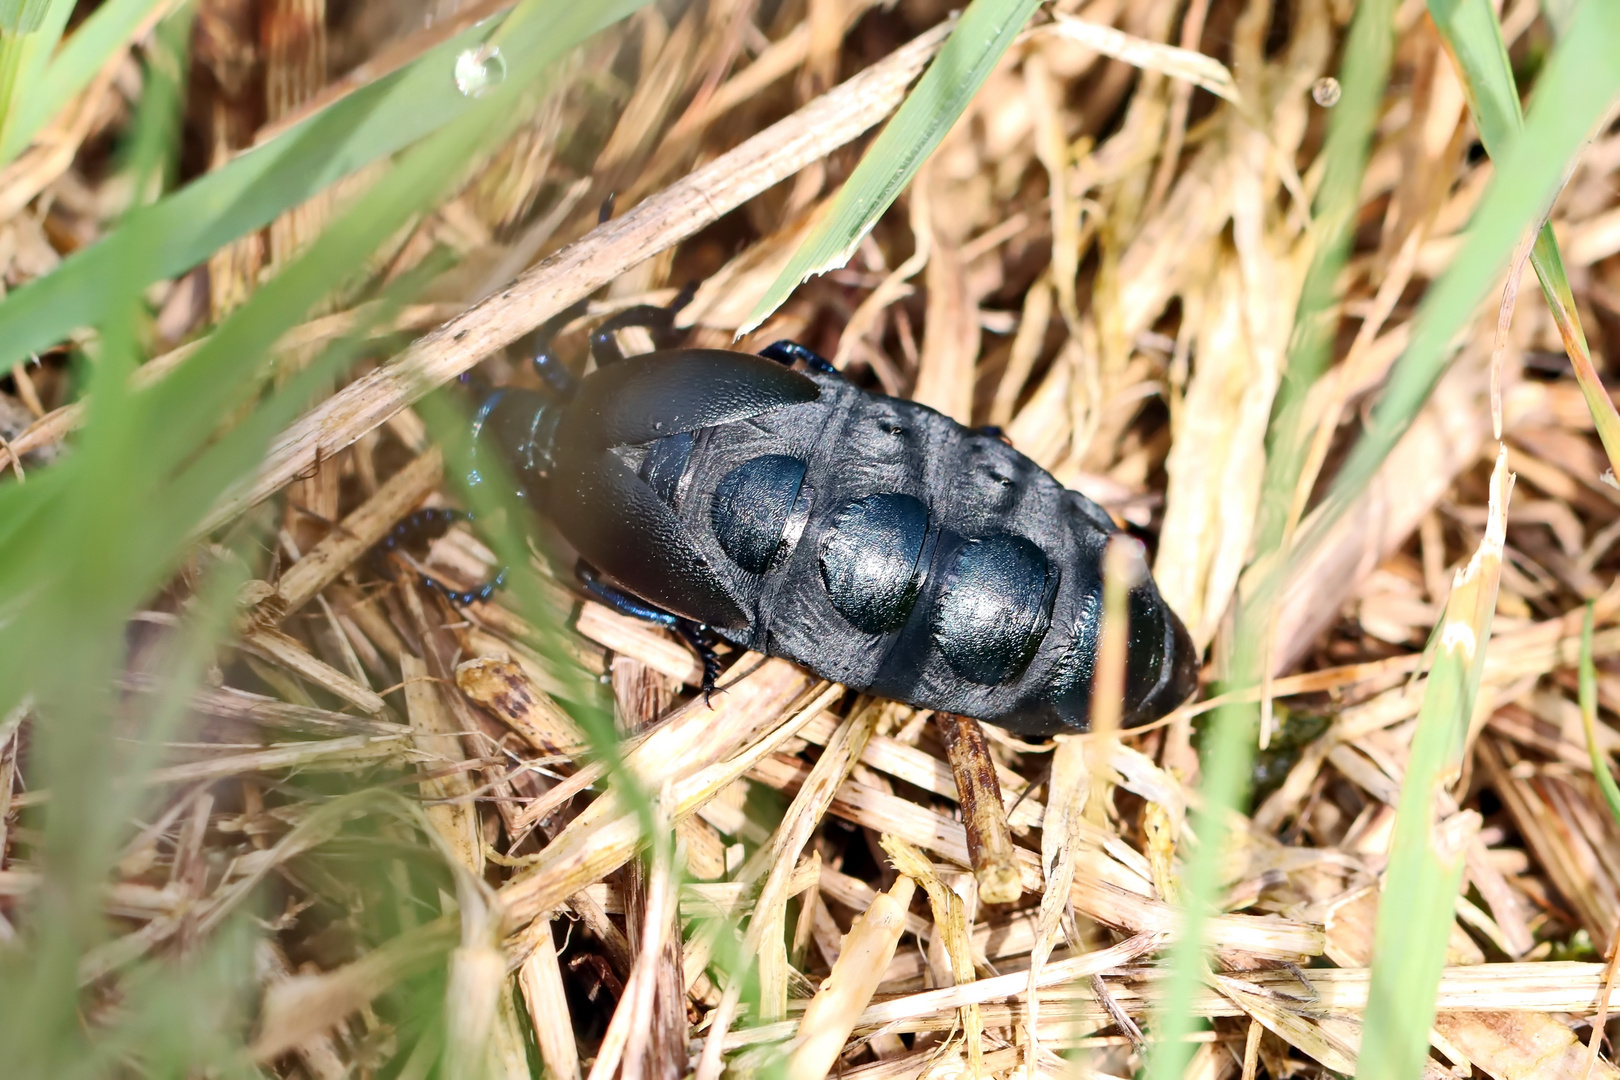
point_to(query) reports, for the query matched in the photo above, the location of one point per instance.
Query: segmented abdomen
(888, 548)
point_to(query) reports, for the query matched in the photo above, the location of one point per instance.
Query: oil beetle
(767, 501)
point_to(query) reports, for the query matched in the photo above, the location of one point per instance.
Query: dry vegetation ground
(1102, 259)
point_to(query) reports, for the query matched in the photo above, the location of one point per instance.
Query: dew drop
(478, 70)
(1326, 91)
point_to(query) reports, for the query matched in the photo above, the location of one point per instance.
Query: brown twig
(990, 845)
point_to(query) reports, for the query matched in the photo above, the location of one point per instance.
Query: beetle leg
(420, 527)
(426, 524)
(620, 601)
(701, 639)
(696, 635)
(660, 321)
(463, 597)
(547, 364)
(786, 352)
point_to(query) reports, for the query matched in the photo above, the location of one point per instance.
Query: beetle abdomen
(751, 507)
(878, 543)
(993, 608)
(868, 560)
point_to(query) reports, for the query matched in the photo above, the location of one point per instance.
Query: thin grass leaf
(1316, 321)
(500, 516)
(1588, 695)
(145, 470)
(65, 646)
(25, 16)
(86, 51)
(1574, 92)
(1473, 36)
(161, 428)
(421, 176)
(986, 30)
(1229, 739)
(1426, 854)
(1558, 14)
(256, 187)
(29, 31)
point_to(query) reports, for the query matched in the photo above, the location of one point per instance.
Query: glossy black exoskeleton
(870, 539)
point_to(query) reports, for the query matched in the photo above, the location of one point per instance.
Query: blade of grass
(367, 125)
(190, 397)
(147, 467)
(1349, 140)
(1426, 858)
(86, 51)
(501, 517)
(1473, 36)
(29, 30)
(24, 16)
(985, 31)
(1558, 13)
(180, 414)
(67, 644)
(1588, 694)
(1228, 740)
(1574, 92)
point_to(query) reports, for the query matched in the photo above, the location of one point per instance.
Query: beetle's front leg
(659, 321)
(787, 353)
(696, 635)
(561, 382)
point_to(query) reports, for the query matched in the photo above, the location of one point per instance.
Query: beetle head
(516, 428)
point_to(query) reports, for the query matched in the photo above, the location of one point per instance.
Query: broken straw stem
(989, 842)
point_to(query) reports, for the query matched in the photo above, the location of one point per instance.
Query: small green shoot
(1574, 92)
(1426, 855)
(986, 31)
(1230, 738)
(1473, 37)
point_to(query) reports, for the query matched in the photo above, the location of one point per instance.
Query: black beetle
(882, 545)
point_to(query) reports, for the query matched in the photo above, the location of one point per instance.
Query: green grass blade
(84, 53)
(1588, 684)
(1575, 89)
(986, 30)
(171, 422)
(501, 517)
(1425, 858)
(1558, 14)
(1228, 741)
(67, 644)
(29, 31)
(256, 187)
(95, 547)
(1351, 126)
(26, 16)
(1473, 37)
(182, 406)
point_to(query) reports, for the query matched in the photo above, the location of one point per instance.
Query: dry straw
(1105, 256)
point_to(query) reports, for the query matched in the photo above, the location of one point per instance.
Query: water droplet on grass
(478, 70)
